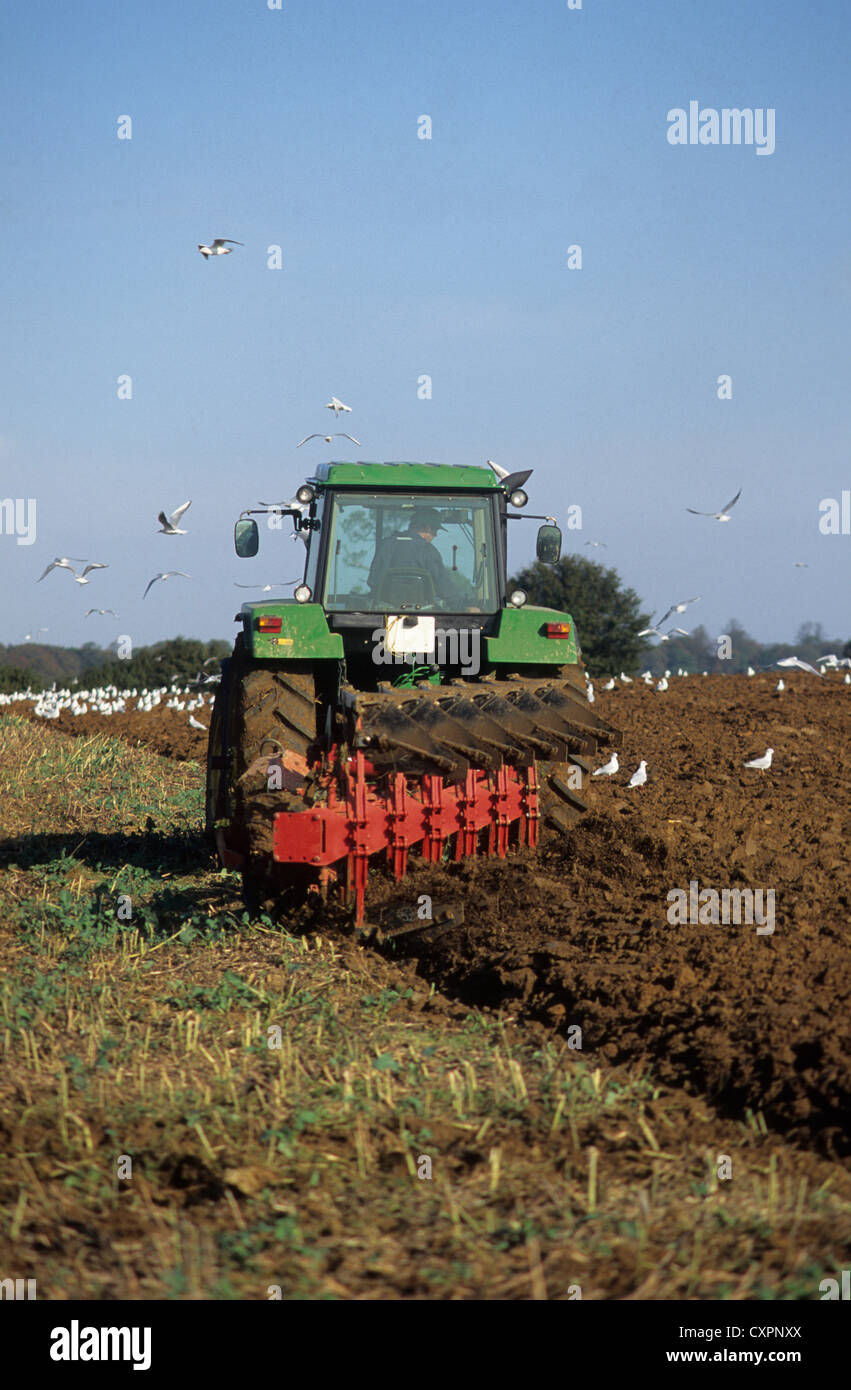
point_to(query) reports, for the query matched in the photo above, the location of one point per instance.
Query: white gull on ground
(763, 763)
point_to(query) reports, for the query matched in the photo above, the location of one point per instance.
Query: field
(424, 1124)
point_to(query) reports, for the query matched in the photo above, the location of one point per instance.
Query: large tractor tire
(275, 715)
(260, 712)
(275, 712)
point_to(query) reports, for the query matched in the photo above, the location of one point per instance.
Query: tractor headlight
(517, 598)
(302, 594)
(305, 494)
(518, 497)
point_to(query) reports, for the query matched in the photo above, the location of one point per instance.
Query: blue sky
(404, 257)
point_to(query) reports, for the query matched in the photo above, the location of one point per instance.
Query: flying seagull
(337, 406)
(29, 636)
(678, 608)
(168, 524)
(170, 574)
(597, 543)
(763, 763)
(281, 584)
(328, 438)
(102, 611)
(801, 665)
(219, 247)
(64, 564)
(724, 514)
(81, 578)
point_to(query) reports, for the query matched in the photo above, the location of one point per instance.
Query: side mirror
(246, 538)
(548, 548)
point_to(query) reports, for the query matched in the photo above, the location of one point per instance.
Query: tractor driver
(413, 550)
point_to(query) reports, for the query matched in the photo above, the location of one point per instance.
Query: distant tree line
(703, 651)
(609, 618)
(37, 666)
(179, 660)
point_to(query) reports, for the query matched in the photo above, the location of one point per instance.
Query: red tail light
(557, 630)
(268, 624)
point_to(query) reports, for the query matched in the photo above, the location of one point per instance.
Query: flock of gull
(108, 699)
(169, 521)
(168, 527)
(829, 662)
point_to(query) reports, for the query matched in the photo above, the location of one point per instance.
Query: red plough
(394, 812)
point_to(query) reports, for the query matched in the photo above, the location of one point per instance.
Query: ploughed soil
(586, 932)
(580, 934)
(165, 731)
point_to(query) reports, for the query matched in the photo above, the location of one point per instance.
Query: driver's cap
(426, 519)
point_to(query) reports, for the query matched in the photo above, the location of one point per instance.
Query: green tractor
(403, 698)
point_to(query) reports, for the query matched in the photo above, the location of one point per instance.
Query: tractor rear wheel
(275, 715)
(275, 712)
